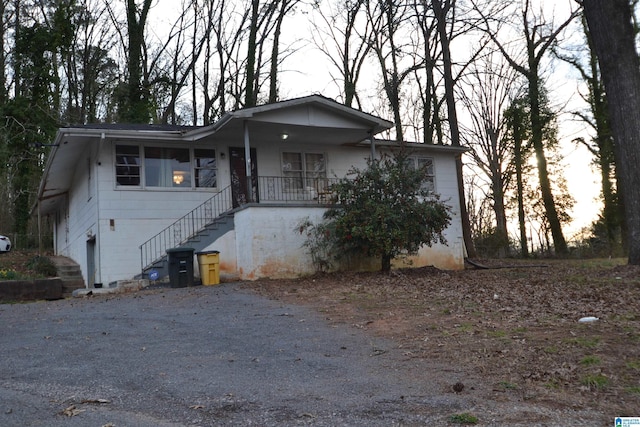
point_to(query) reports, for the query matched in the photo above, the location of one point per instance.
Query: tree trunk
(137, 110)
(613, 37)
(537, 138)
(275, 53)
(386, 263)
(604, 141)
(449, 85)
(17, 66)
(3, 59)
(518, 138)
(250, 97)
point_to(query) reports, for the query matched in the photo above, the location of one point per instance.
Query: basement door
(239, 191)
(91, 262)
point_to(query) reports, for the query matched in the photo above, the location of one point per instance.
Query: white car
(5, 244)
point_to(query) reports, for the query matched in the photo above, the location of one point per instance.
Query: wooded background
(478, 73)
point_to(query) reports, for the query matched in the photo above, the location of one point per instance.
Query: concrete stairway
(209, 234)
(70, 274)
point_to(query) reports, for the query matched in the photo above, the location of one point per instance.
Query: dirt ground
(514, 329)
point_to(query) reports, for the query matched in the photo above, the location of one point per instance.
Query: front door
(239, 190)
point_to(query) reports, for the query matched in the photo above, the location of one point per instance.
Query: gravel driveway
(203, 356)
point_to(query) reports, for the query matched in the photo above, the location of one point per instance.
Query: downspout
(97, 253)
(247, 156)
(373, 145)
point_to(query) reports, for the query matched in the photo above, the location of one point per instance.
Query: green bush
(386, 210)
(42, 266)
(8, 275)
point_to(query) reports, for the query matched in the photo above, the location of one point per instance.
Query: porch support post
(247, 156)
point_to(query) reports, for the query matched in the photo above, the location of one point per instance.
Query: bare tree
(490, 87)
(425, 79)
(91, 74)
(137, 108)
(180, 54)
(445, 18)
(387, 19)
(286, 7)
(222, 67)
(343, 37)
(539, 36)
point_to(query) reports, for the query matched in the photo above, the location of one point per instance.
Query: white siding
(263, 243)
(79, 216)
(267, 243)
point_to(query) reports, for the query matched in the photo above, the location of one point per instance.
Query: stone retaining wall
(30, 290)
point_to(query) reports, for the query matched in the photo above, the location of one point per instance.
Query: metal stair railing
(186, 227)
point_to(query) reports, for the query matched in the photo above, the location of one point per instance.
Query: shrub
(386, 210)
(8, 275)
(42, 266)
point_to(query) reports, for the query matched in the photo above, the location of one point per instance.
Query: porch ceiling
(295, 134)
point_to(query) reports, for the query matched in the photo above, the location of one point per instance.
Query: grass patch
(464, 327)
(497, 334)
(595, 381)
(633, 389)
(633, 364)
(585, 342)
(464, 418)
(590, 360)
(552, 384)
(506, 385)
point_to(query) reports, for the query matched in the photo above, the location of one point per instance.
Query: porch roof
(311, 118)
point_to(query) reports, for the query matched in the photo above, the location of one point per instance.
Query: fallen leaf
(72, 411)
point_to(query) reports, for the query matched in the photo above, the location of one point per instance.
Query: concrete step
(68, 286)
(70, 273)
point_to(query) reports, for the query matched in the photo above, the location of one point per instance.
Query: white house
(121, 195)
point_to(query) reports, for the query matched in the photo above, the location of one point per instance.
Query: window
(205, 168)
(303, 170)
(127, 165)
(426, 164)
(167, 167)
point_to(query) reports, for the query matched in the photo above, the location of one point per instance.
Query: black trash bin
(180, 267)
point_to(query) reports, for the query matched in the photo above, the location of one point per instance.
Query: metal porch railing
(295, 189)
(186, 227)
(272, 189)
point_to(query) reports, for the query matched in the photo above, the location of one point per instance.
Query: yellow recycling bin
(209, 263)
